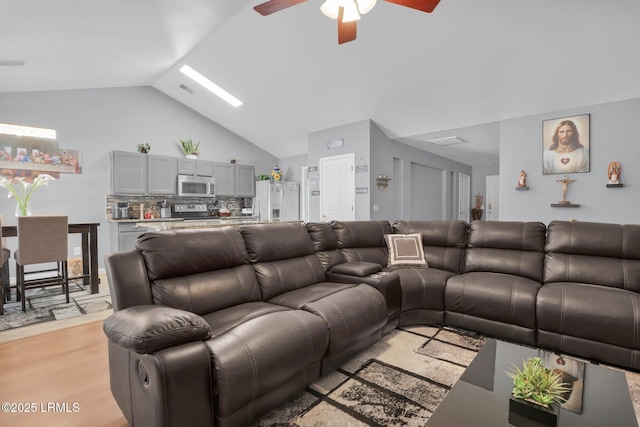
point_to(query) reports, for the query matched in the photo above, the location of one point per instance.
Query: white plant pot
(191, 156)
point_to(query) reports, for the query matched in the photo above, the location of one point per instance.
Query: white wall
(615, 135)
(97, 121)
(291, 167)
(356, 138)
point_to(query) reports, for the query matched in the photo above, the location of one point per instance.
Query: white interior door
(464, 197)
(492, 200)
(338, 188)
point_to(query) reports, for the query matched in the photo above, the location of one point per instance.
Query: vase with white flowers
(23, 191)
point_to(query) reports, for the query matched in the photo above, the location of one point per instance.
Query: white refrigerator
(278, 200)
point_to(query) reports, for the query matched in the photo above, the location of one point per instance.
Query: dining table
(89, 233)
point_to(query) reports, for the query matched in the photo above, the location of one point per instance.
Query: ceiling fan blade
(423, 5)
(346, 30)
(274, 6)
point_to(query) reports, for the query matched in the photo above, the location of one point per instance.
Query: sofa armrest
(356, 268)
(147, 328)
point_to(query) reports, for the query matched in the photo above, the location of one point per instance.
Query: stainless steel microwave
(195, 186)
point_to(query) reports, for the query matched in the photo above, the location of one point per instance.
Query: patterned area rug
(399, 381)
(46, 304)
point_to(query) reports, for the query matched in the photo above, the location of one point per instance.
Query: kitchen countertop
(140, 220)
(208, 223)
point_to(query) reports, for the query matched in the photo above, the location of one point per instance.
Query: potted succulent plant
(189, 148)
(143, 148)
(537, 393)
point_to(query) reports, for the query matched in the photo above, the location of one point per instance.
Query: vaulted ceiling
(457, 71)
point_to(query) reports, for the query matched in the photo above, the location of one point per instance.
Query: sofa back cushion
(198, 270)
(506, 247)
(596, 253)
(282, 256)
(362, 240)
(325, 244)
(443, 241)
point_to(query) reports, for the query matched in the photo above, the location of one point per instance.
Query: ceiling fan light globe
(364, 6)
(330, 8)
(351, 13)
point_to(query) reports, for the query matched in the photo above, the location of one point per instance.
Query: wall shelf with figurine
(613, 173)
(522, 181)
(564, 203)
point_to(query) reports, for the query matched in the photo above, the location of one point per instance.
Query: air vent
(11, 63)
(450, 140)
(187, 88)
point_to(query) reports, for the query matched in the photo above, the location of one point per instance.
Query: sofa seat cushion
(596, 313)
(223, 321)
(299, 297)
(354, 317)
(497, 304)
(264, 361)
(422, 288)
(388, 283)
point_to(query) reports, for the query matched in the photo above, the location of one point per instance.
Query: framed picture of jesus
(565, 145)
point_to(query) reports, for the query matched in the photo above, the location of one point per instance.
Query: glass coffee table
(600, 396)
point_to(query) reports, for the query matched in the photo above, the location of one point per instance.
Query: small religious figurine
(565, 182)
(522, 179)
(614, 173)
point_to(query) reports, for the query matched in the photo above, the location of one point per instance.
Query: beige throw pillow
(405, 250)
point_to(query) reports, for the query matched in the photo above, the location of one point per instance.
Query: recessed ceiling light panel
(209, 85)
(450, 140)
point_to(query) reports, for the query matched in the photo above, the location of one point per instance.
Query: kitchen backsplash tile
(151, 204)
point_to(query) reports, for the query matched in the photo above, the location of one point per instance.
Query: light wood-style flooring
(66, 368)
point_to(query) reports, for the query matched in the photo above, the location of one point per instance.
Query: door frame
(464, 211)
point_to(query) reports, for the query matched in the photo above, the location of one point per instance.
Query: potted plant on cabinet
(537, 393)
(143, 148)
(189, 148)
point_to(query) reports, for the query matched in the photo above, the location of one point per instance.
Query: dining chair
(5, 254)
(41, 240)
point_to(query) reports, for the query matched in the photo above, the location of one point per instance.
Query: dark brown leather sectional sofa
(219, 326)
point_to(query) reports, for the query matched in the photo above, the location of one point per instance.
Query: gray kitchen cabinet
(245, 181)
(225, 179)
(195, 167)
(124, 235)
(136, 173)
(186, 167)
(162, 172)
(205, 168)
(235, 180)
(127, 173)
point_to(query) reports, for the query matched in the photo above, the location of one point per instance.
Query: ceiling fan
(346, 12)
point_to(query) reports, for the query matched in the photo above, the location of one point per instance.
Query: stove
(190, 211)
